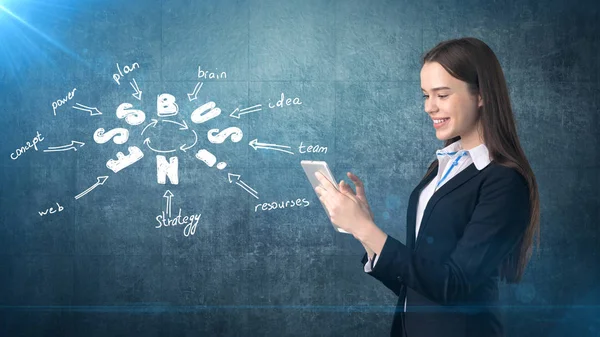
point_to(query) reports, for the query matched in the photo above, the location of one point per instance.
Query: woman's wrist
(372, 237)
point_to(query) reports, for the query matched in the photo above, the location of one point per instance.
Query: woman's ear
(480, 101)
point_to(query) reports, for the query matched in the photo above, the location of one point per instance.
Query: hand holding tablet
(310, 168)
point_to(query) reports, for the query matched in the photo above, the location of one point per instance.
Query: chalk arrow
(168, 195)
(238, 112)
(138, 92)
(152, 124)
(147, 142)
(65, 147)
(256, 145)
(242, 184)
(183, 126)
(92, 111)
(185, 148)
(99, 181)
(194, 94)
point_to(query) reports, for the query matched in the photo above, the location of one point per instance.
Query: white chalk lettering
(235, 133)
(51, 210)
(132, 116)
(190, 222)
(312, 149)
(61, 102)
(126, 70)
(118, 135)
(283, 102)
(18, 152)
(268, 206)
(204, 74)
(166, 169)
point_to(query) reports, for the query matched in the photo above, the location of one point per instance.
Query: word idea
(283, 102)
(38, 138)
(190, 222)
(51, 210)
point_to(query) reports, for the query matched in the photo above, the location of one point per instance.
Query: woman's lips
(442, 124)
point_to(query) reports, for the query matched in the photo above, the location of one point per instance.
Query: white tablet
(310, 168)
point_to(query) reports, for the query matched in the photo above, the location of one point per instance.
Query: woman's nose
(430, 106)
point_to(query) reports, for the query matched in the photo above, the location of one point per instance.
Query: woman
(471, 219)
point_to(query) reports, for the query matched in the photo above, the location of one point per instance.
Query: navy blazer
(450, 274)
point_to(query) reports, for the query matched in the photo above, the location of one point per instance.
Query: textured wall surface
(98, 266)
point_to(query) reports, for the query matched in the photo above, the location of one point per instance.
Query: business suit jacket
(450, 274)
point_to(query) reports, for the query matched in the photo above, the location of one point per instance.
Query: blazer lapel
(460, 178)
(411, 214)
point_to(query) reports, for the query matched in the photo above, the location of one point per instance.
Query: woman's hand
(360, 191)
(347, 210)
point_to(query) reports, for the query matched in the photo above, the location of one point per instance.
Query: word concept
(38, 138)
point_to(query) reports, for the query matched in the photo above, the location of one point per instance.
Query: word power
(126, 69)
(51, 210)
(288, 101)
(190, 222)
(61, 102)
(38, 138)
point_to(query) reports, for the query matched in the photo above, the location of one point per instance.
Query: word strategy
(190, 222)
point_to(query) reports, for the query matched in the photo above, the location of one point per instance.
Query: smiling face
(447, 97)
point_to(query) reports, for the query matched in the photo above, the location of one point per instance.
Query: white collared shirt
(453, 153)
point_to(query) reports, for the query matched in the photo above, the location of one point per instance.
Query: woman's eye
(440, 96)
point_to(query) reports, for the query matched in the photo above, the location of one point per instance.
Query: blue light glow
(21, 43)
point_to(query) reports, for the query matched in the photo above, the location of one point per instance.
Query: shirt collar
(479, 154)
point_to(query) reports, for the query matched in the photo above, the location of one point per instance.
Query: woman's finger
(360, 188)
(344, 187)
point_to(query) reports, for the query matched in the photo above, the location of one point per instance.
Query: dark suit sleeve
(497, 225)
(392, 283)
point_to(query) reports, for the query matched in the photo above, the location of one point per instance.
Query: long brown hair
(472, 61)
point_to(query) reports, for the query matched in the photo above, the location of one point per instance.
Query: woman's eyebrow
(436, 89)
